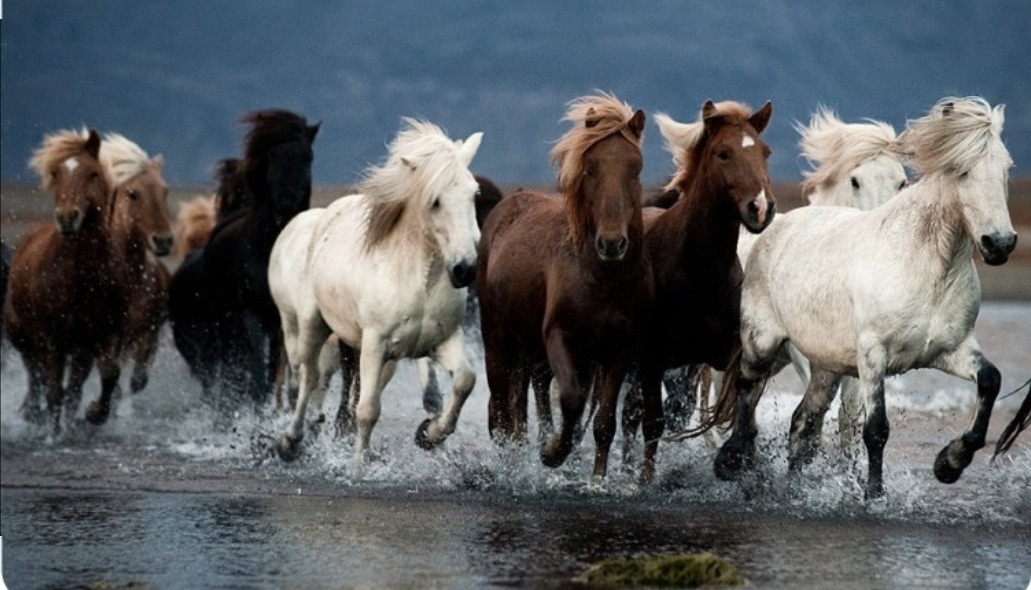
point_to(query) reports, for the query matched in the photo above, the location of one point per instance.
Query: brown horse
(141, 230)
(723, 181)
(64, 301)
(565, 281)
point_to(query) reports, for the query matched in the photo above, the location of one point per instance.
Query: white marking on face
(747, 141)
(71, 164)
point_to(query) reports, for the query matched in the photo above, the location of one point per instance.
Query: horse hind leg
(541, 380)
(849, 415)
(432, 399)
(968, 362)
(606, 391)
(78, 372)
(451, 354)
(807, 420)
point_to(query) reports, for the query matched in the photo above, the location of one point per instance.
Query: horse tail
(721, 415)
(1019, 424)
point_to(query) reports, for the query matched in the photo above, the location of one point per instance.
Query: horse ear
(708, 109)
(92, 145)
(636, 124)
(947, 108)
(158, 161)
(761, 118)
(409, 164)
(312, 131)
(591, 118)
(470, 146)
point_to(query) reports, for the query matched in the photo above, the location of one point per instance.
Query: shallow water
(166, 497)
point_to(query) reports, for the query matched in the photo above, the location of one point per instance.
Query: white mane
(833, 148)
(956, 134)
(122, 159)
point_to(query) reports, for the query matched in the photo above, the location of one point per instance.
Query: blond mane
(422, 162)
(122, 159)
(833, 148)
(682, 142)
(956, 134)
(608, 115)
(55, 149)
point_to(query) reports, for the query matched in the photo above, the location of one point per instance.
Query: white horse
(384, 271)
(853, 165)
(877, 293)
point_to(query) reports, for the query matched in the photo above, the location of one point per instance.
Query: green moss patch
(670, 571)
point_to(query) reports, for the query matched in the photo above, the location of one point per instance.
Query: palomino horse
(851, 165)
(877, 293)
(198, 216)
(566, 281)
(224, 320)
(414, 217)
(65, 302)
(723, 181)
(141, 229)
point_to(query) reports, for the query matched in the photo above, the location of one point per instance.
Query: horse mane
(832, 147)
(422, 162)
(231, 194)
(594, 117)
(269, 128)
(122, 159)
(684, 142)
(55, 149)
(956, 134)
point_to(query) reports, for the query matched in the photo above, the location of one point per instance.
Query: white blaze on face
(747, 141)
(71, 164)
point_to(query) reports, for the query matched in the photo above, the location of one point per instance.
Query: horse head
(141, 203)
(853, 164)
(452, 217)
(960, 143)
(600, 164)
(723, 153)
(68, 163)
(277, 161)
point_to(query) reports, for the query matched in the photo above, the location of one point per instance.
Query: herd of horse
(585, 293)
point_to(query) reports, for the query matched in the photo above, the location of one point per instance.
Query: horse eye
(133, 194)
(723, 155)
(963, 174)
(436, 203)
(855, 182)
(903, 184)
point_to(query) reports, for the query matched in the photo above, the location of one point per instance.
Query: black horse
(5, 266)
(223, 318)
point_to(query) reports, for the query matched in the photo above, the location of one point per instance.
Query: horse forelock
(422, 163)
(56, 149)
(122, 159)
(687, 143)
(955, 135)
(834, 148)
(608, 116)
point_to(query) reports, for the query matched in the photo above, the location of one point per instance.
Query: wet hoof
(731, 462)
(97, 413)
(288, 448)
(33, 414)
(554, 452)
(873, 490)
(945, 468)
(422, 437)
(647, 474)
(138, 383)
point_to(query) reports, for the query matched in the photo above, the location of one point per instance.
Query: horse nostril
(462, 275)
(162, 244)
(622, 245)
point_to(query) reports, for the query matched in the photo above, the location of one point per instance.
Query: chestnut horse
(724, 183)
(566, 281)
(65, 302)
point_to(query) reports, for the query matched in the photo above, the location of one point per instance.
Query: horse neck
(707, 226)
(129, 244)
(934, 216)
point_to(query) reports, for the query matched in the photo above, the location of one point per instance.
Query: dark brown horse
(723, 181)
(565, 281)
(64, 301)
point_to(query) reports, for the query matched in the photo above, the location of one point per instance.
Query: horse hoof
(138, 383)
(97, 413)
(944, 470)
(873, 491)
(422, 437)
(553, 454)
(33, 415)
(730, 463)
(288, 448)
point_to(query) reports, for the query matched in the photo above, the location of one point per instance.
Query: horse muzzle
(997, 247)
(461, 274)
(759, 213)
(610, 250)
(68, 222)
(161, 245)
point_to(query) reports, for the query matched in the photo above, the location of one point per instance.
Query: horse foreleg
(110, 370)
(541, 379)
(31, 408)
(653, 423)
(450, 354)
(53, 370)
(849, 415)
(606, 392)
(349, 391)
(78, 371)
(968, 362)
(289, 445)
(432, 399)
(807, 421)
(302, 345)
(143, 356)
(572, 398)
(633, 410)
(371, 364)
(872, 363)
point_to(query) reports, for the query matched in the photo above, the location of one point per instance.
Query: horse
(723, 180)
(850, 165)
(223, 318)
(198, 216)
(413, 217)
(564, 282)
(140, 229)
(5, 267)
(65, 305)
(891, 289)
